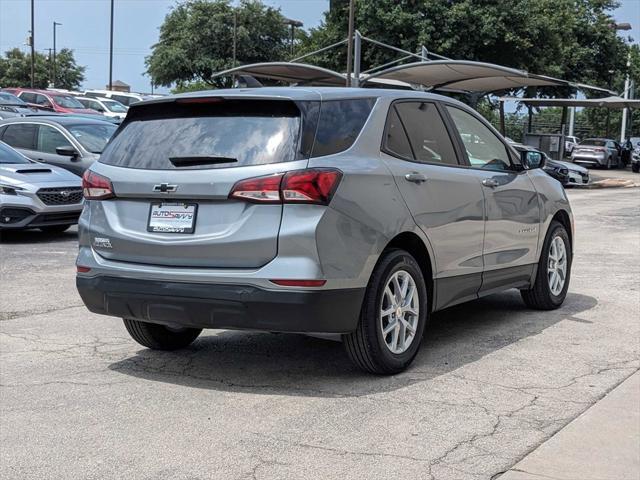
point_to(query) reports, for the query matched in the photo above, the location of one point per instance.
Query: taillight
(314, 185)
(96, 187)
(258, 189)
(310, 186)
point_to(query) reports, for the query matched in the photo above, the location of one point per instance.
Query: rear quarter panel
(367, 211)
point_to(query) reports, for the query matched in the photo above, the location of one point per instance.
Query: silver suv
(315, 210)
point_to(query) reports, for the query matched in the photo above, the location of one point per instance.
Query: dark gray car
(318, 210)
(70, 142)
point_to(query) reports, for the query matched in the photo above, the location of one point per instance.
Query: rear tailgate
(172, 167)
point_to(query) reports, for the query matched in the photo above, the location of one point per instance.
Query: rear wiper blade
(194, 161)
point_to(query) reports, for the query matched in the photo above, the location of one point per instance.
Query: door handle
(415, 177)
(490, 182)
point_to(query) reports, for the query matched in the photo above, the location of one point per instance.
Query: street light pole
(53, 80)
(111, 50)
(293, 24)
(33, 49)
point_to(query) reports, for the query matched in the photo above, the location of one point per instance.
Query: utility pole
(33, 49)
(350, 40)
(53, 82)
(111, 50)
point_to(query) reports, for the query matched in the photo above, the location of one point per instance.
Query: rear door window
(340, 124)
(210, 134)
(427, 133)
(28, 97)
(20, 135)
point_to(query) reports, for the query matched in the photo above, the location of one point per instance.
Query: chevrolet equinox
(356, 212)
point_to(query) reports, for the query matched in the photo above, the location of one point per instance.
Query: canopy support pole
(529, 120)
(502, 125)
(563, 125)
(357, 52)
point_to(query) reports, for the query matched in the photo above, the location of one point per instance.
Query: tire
(635, 167)
(540, 296)
(55, 228)
(159, 337)
(366, 346)
(608, 165)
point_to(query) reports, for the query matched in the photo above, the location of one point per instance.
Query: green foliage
(196, 41)
(570, 39)
(15, 70)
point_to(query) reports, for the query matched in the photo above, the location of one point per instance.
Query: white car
(125, 98)
(569, 143)
(106, 106)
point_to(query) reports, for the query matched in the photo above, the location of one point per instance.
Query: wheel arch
(415, 245)
(563, 218)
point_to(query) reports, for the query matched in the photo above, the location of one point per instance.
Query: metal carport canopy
(289, 72)
(606, 102)
(465, 76)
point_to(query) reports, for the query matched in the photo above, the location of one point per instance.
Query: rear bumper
(232, 306)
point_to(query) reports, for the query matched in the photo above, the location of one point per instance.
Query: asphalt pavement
(493, 381)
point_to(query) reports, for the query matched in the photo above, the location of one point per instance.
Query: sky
(85, 29)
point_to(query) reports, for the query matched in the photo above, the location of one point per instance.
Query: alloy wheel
(557, 265)
(399, 312)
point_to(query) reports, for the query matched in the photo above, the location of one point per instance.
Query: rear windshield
(234, 133)
(597, 143)
(230, 133)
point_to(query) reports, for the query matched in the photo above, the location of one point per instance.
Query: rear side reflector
(313, 185)
(96, 187)
(299, 283)
(81, 269)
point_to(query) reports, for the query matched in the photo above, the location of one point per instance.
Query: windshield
(597, 143)
(93, 137)
(67, 102)
(114, 106)
(9, 99)
(9, 155)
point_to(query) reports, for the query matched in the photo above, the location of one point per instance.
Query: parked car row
(16, 102)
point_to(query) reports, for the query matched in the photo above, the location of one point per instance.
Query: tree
(196, 41)
(570, 39)
(15, 70)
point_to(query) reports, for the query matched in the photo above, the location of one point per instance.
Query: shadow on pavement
(288, 364)
(34, 236)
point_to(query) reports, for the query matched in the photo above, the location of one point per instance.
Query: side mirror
(532, 159)
(68, 151)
